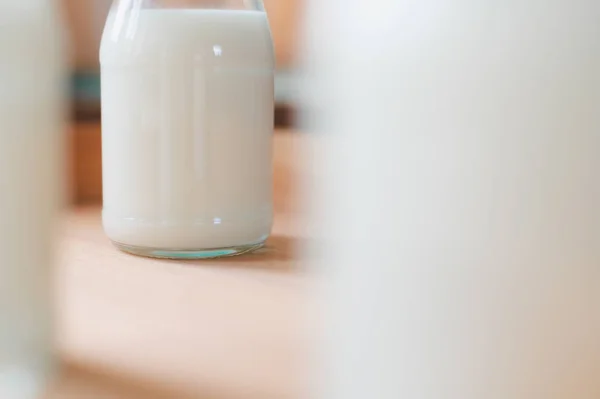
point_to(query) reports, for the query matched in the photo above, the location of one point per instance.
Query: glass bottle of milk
(31, 138)
(187, 114)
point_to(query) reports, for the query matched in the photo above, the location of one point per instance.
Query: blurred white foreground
(30, 156)
(459, 194)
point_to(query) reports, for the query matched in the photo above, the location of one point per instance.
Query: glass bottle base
(175, 254)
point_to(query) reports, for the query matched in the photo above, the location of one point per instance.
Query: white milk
(460, 196)
(30, 189)
(187, 99)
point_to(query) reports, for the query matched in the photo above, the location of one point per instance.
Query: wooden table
(132, 327)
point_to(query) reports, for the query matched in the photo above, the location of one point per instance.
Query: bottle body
(473, 199)
(31, 140)
(187, 101)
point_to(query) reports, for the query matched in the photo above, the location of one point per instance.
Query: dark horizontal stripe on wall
(285, 115)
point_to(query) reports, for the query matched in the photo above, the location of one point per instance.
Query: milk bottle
(187, 104)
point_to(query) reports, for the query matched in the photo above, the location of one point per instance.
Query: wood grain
(133, 327)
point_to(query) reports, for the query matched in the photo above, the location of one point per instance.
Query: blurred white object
(459, 196)
(30, 190)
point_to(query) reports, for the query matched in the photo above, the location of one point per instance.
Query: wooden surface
(132, 327)
(86, 145)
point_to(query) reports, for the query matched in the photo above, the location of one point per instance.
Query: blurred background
(85, 22)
